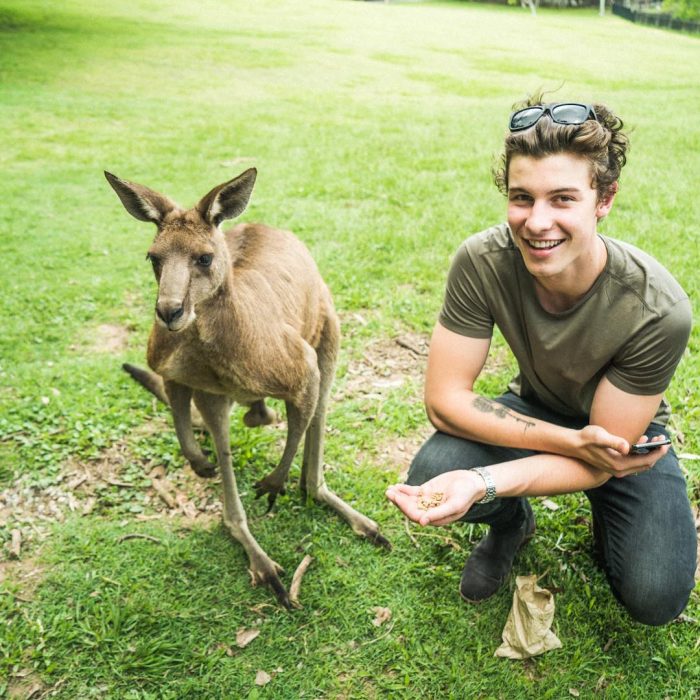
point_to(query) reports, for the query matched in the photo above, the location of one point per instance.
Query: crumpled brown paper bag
(527, 631)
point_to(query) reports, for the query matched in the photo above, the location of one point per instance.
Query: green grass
(373, 127)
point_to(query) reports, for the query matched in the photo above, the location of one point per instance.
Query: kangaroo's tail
(153, 383)
(149, 380)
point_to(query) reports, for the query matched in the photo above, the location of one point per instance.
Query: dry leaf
(549, 504)
(225, 648)
(527, 631)
(262, 678)
(244, 637)
(189, 510)
(574, 692)
(381, 616)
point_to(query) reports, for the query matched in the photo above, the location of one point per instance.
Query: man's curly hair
(601, 142)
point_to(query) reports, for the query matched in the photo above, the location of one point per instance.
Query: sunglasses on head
(560, 113)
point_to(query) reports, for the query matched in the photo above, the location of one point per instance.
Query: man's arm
(571, 460)
(618, 418)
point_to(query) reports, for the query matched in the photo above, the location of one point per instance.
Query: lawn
(373, 127)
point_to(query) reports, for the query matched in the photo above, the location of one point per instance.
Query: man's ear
(605, 203)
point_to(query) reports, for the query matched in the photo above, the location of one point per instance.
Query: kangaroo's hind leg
(312, 480)
(300, 410)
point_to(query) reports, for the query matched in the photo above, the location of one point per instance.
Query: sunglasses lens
(569, 114)
(525, 118)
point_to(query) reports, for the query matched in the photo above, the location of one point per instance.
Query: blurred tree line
(548, 3)
(687, 10)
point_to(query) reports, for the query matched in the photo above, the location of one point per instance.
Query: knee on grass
(657, 600)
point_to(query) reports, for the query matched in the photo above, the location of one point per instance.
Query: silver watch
(485, 474)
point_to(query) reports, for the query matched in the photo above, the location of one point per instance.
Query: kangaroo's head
(189, 254)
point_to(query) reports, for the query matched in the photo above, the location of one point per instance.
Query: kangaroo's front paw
(270, 487)
(203, 468)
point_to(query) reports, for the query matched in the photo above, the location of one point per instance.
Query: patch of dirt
(106, 338)
(398, 454)
(386, 365)
(26, 574)
(25, 685)
(110, 338)
(389, 363)
(116, 480)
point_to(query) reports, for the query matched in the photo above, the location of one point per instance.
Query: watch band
(485, 474)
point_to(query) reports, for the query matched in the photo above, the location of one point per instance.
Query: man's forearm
(468, 415)
(544, 475)
(461, 487)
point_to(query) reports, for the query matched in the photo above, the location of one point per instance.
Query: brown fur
(240, 316)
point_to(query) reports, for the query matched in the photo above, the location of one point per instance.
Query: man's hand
(440, 501)
(611, 453)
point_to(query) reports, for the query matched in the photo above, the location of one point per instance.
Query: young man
(598, 328)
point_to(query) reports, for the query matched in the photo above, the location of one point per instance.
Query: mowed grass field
(373, 127)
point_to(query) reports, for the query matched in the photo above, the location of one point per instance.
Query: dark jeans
(643, 523)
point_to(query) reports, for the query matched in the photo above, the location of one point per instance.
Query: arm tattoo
(500, 411)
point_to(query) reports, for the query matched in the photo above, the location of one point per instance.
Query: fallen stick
(16, 544)
(296, 580)
(115, 482)
(138, 536)
(405, 344)
(162, 490)
(406, 522)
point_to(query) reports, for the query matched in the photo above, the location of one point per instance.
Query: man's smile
(543, 245)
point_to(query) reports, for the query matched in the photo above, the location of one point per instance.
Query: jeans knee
(656, 601)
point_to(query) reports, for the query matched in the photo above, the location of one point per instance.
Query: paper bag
(527, 631)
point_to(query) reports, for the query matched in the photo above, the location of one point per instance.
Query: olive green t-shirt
(631, 327)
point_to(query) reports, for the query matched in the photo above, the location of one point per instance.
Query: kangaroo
(240, 316)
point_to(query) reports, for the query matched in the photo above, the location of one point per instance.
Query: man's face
(552, 212)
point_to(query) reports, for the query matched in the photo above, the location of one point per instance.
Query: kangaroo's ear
(142, 203)
(229, 200)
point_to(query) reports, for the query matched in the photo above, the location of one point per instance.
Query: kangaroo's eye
(205, 260)
(154, 259)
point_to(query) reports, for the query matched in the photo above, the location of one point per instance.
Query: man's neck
(560, 293)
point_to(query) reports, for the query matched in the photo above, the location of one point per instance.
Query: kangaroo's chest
(200, 367)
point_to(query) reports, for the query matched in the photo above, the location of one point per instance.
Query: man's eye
(205, 260)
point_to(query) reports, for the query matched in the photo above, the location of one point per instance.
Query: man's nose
(540, 217)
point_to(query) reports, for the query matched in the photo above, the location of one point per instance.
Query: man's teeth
(544, 244)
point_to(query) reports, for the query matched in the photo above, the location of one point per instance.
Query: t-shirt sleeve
(465, 309)
(646, 363)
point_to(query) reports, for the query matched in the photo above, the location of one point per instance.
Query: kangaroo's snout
(170, 312)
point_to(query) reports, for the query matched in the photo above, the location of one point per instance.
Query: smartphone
(642, 448)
